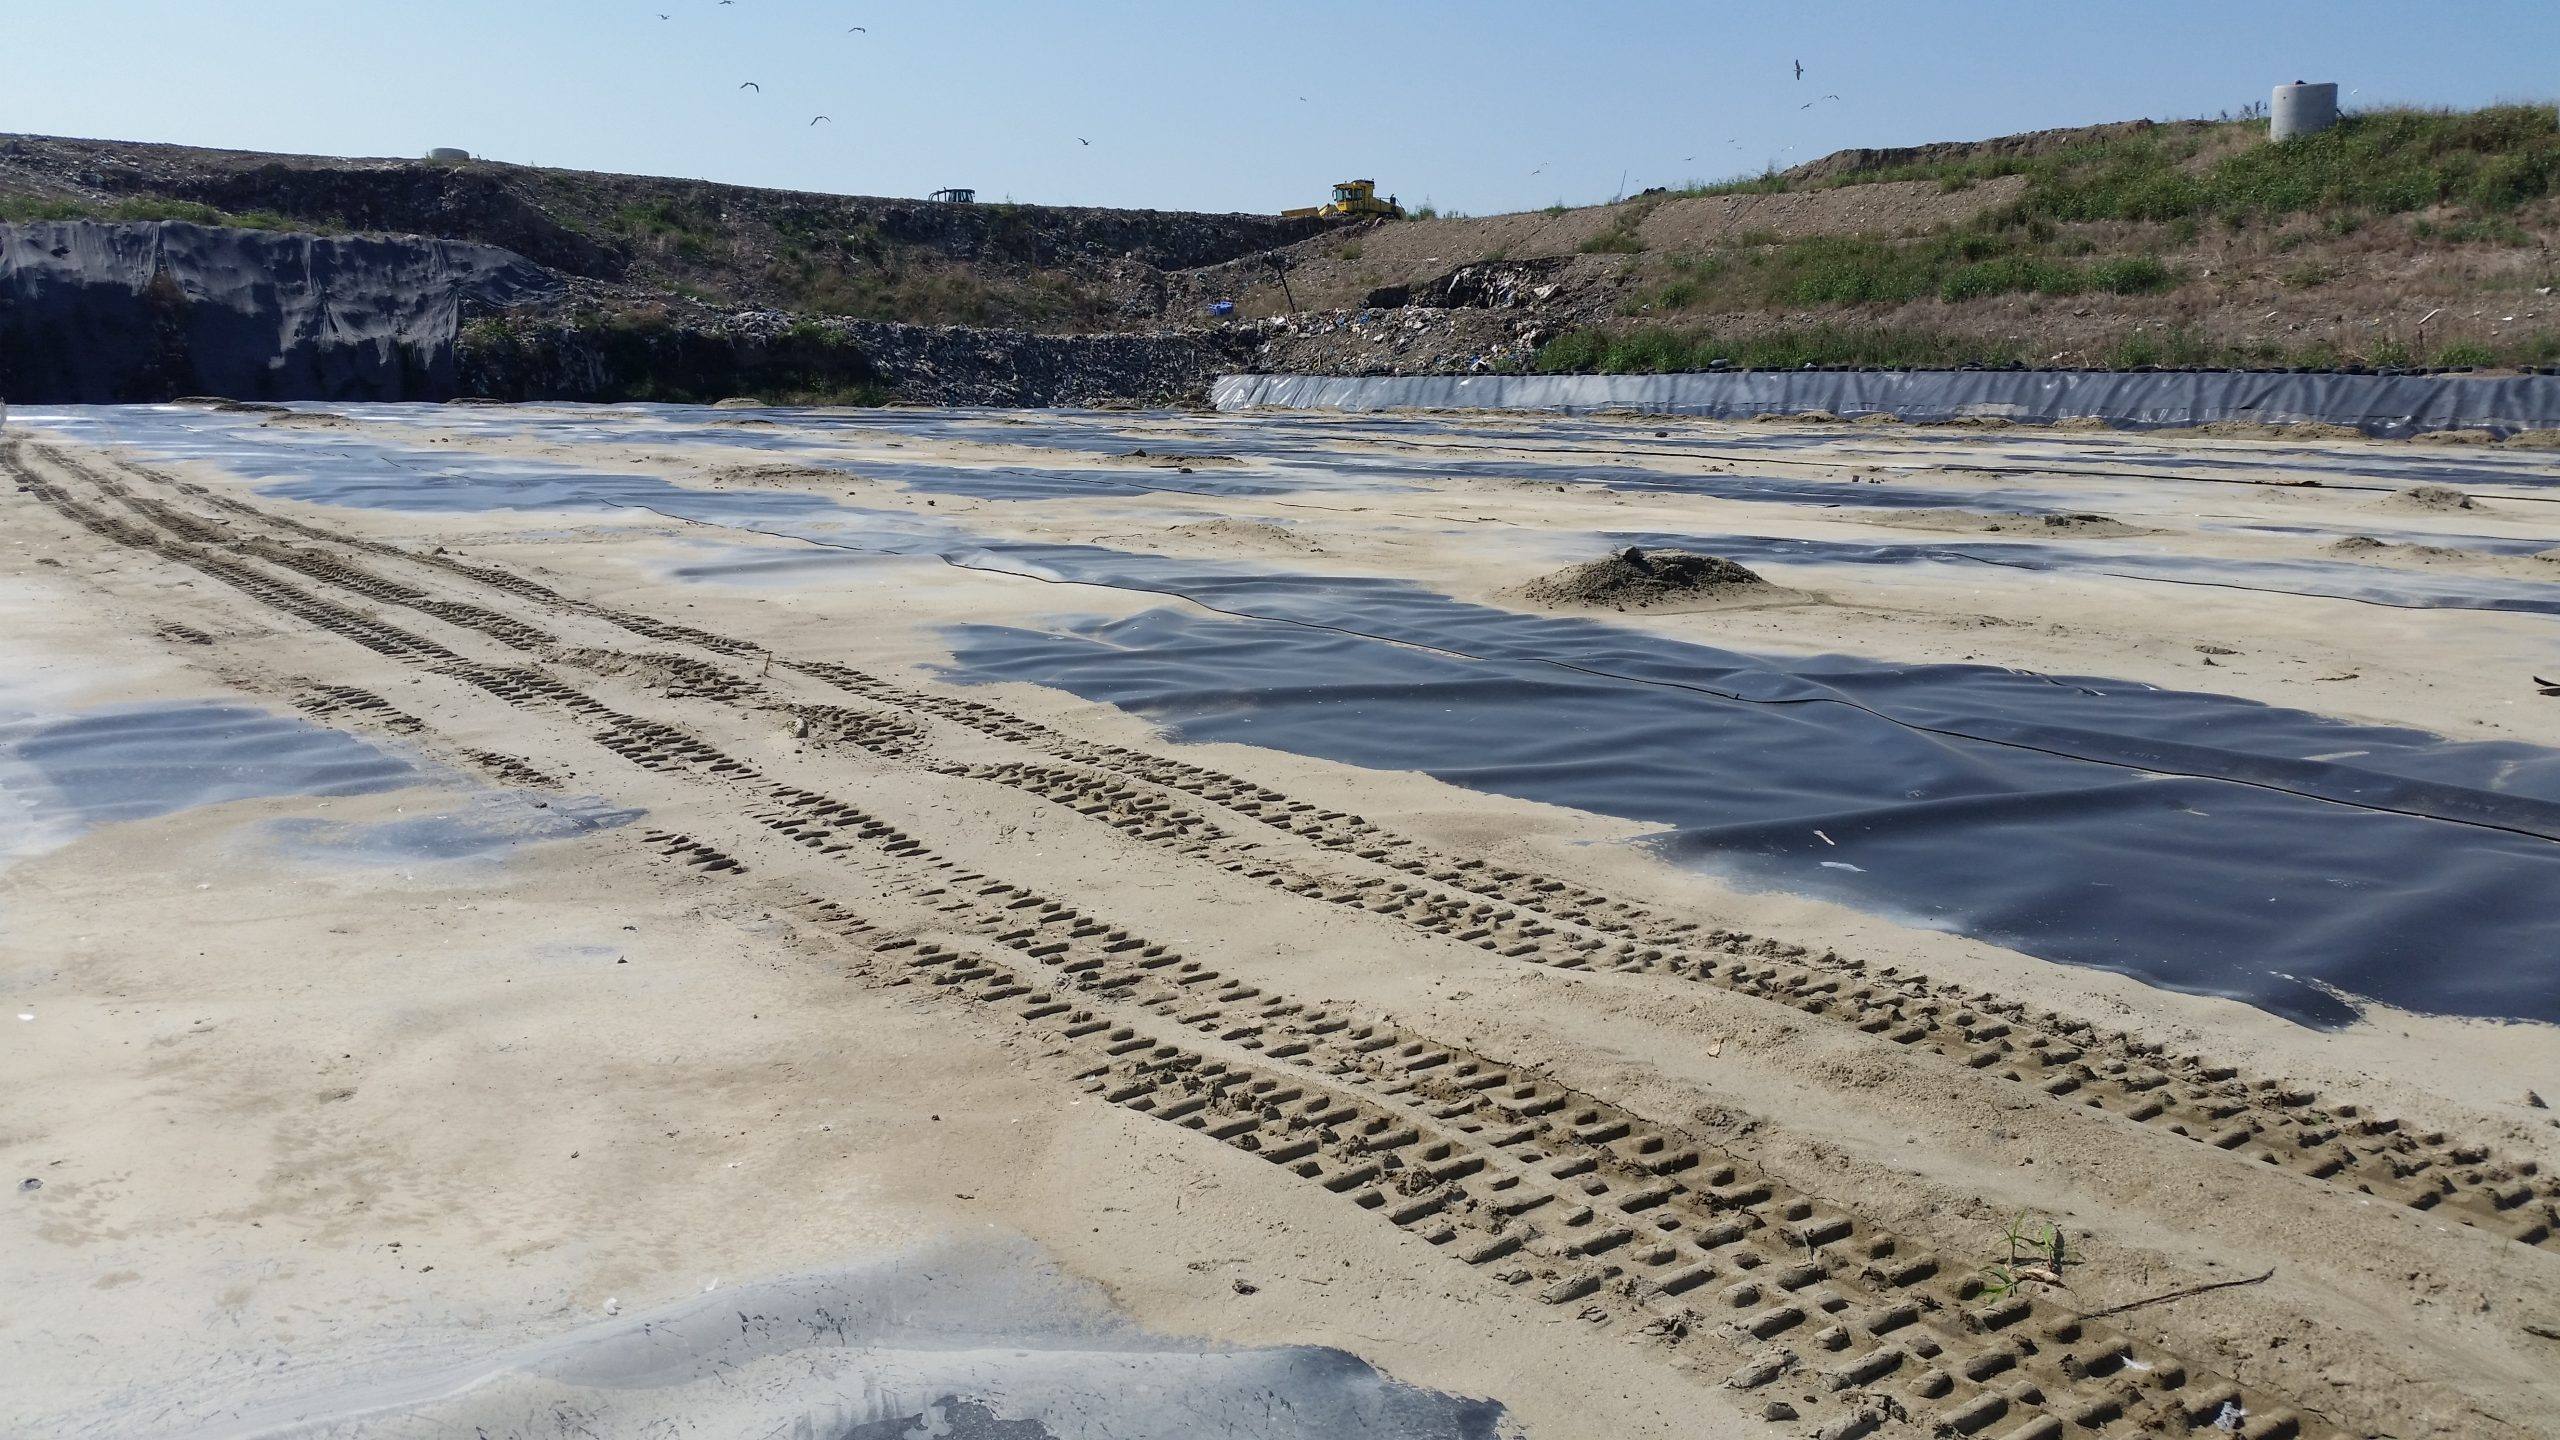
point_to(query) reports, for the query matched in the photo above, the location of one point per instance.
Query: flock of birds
(818, 120)
(814, 121)
(1685, 159)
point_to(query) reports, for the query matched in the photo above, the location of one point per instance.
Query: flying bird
(828, 118)
(1799, 64)
(859, 30)
(751, 85)
(1083, 141)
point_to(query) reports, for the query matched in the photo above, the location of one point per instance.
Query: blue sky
(1495, 105)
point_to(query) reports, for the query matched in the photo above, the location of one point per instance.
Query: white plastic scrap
(2230, 1418)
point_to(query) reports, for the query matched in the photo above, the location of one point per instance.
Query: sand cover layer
(1283, 1052)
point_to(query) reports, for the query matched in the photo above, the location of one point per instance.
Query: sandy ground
(300, 1115)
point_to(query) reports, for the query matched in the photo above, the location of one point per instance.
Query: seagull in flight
(1083, 141)
(1799, 64)
(751, 85)
(827, 118)
(859, 30)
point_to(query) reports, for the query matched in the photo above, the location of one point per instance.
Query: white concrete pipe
(2300, 109)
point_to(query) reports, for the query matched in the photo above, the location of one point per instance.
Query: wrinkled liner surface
(60, 776)
(2316, 579)
(2192, 840)
(2375, 404)
(981, 1340)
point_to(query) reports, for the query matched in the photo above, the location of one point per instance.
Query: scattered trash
(1825, 839)
(2230, 1418)
(2547, 687)
(26, 1014)
(1246, 1287)
(2132, 1364)
(30, 1185)
(612, 1306)
(1844, 865)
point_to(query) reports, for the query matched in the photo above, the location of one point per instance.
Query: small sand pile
(2266, 430)
(782, 474)
(1996, 522)
(1634, 579)
(310, 420)
(1184, 461)
(2430, 497)
(1251, 535)
(2534, 440)
(2455, 437)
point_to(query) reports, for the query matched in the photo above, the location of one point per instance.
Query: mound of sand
(784, 474)
(1878, 417)
(2455, 437)
(1245, 535)
(2534, 440)
(2264, 430)
(1798, 417)
(1184, 461)
(2421, 554)
(2429, 497)
(1634, 579)
(309, 420)
(1997, 522)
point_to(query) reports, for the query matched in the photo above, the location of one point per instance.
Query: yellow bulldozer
(1352, 200)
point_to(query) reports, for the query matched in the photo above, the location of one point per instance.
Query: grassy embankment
(2103, 217)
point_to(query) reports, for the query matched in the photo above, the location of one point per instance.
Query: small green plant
(1349, 252)
(2308, 277)
(2035, 1258)
(1619, 239)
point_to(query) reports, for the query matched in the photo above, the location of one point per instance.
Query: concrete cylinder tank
(447, 155)
(2300, 109)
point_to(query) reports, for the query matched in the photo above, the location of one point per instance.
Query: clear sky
(1481, 106)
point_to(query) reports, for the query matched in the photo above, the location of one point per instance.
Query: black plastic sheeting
(482, 826)
(99, 313)
(2193, 840)
(2318, 579)
(65, 774)
(982, 1340)
(2375, 404)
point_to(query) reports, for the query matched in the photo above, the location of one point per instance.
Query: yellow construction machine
(1352, 200)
